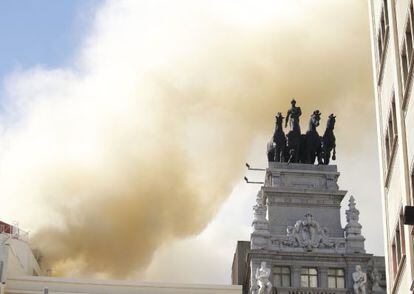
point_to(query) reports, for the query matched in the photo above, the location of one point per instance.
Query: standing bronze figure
(294, 137)
(293, 116)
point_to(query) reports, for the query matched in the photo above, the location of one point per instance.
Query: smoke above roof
(144, 137)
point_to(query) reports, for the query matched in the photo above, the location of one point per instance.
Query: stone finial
(352, 214)
(260, 237)
(353, 226)
(355, 241)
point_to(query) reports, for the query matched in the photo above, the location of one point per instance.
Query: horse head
(315, 119)
(279, 120)
(330, 125)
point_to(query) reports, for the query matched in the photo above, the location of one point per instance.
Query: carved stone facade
(297, 231)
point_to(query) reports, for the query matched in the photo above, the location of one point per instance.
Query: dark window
(412, 188)
(309, 277)
(398, 246)
(281, 276)
(394, 116)
(391, 133)
(382, 34)
(404, 65)
(407, 49)
(336, 278)
(387, 149)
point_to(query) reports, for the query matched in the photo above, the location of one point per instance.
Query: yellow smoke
(142, 140)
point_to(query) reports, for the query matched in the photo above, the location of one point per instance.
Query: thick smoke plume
(144, 137)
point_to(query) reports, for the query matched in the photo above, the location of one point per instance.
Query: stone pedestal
(297, 227)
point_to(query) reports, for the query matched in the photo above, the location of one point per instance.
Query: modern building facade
(392, 38)
(297, 237)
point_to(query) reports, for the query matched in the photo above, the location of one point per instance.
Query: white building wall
(395, 174)
(17, 258)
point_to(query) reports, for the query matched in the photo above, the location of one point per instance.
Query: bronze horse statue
(297, 148)
(313, 143)
(329, 140)
(294, 143)
(276, 150)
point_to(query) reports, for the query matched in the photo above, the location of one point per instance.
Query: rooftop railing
(281, 290)
(14, 232)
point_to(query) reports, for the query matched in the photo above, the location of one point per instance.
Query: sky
(41, 33)
(125, 125)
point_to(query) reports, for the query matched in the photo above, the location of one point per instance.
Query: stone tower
(298, 244)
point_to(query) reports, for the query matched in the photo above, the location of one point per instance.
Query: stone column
(296, 276)
(323, 277)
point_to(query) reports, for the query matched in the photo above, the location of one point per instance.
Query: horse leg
(271, 155)
(327, 157)
(277, 154)
(319, 156)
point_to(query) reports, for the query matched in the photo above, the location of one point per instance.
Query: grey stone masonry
(297, 232)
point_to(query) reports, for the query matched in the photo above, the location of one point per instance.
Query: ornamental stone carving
(360, 280)
(308, 234)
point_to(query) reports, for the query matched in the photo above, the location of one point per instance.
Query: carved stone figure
(262, 278)
(293, 234)
(376, 278)
(360, 280)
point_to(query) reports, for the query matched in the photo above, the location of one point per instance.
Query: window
(387, 148)
(398, 246)
(382, 36)
(309, 277)
(391, 133)
(412, 188)
(394, 116)
(281, 276)
(407, 50)
(336, 278)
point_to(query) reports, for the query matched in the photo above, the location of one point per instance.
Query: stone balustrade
(281, 290)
